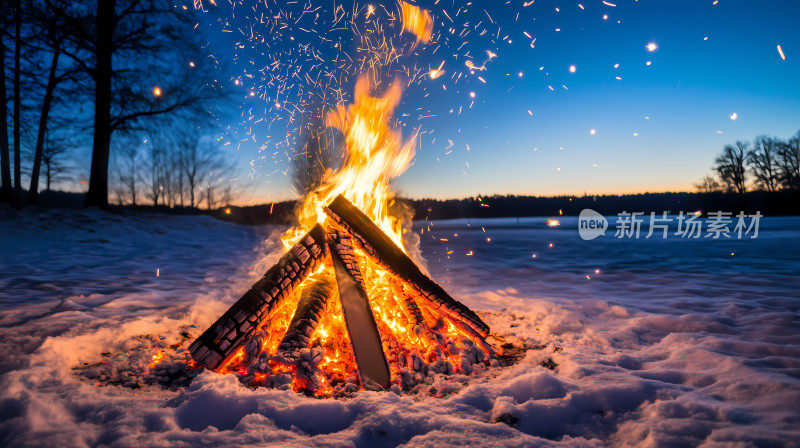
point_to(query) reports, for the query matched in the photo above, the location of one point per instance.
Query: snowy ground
(655, 342)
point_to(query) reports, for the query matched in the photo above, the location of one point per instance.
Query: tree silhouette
(762, 162)
(145, 61)
(730, 165)
(707, 184)
(5, 161)
(788, 161)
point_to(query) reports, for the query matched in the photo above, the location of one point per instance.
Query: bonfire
(346, 308)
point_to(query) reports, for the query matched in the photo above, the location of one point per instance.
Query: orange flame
(375, 155)
(417, 21)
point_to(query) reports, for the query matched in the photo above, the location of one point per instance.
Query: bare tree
(127, 167)
(124, 45)
(210, 195)
(788, 161)
(154, 174)
(5, 162)
(47, 39)
(707, 184)
(17, 197)
(730, 165)
(762, 162)
(320, 151)
(227, 195)
(199, 158)
(54, 168)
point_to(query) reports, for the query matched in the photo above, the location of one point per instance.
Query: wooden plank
(224, 337)
(378, 246)
(365, 338)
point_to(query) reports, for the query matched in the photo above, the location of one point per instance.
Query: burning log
(220, 342)
(365, 338)
(381, 249)
(412, 312)
(313, 300)
(411, 320)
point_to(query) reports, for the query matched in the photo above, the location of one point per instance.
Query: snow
(649, 342)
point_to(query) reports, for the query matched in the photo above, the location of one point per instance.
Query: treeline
(130, 79)
(767, 163)
(768, 203)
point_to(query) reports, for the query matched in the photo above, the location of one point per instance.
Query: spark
(592, 131)
(608, 4)
(158, 272)
(651, 47)
(780, 52)
(157, 91)
(572, 69)
(553, 223)
(734, 116)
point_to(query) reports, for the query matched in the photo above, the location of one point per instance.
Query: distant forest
(768, 203)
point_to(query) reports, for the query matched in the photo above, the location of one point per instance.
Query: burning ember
(346, 308)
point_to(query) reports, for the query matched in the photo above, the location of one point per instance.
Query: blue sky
(657, 128)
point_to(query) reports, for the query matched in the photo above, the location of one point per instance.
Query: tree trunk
(98, 180)
(17, 46)
(37, 158)
(5, 192)
(191, 191)
(47, 173)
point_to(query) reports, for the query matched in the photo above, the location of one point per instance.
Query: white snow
(655, 342)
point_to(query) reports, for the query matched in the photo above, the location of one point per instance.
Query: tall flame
(376, 154)
(416, 20)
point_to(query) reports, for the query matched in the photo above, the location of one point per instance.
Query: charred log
(381, 249)
(221, 341)
(313, 300)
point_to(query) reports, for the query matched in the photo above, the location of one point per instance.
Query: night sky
(654, 122)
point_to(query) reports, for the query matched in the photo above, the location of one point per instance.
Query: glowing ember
(651, 47)
(553, 223)
(156, 359)
(157, 91)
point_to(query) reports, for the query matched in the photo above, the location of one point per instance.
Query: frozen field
(651, 342)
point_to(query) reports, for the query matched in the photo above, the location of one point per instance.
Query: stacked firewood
(293, 330)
